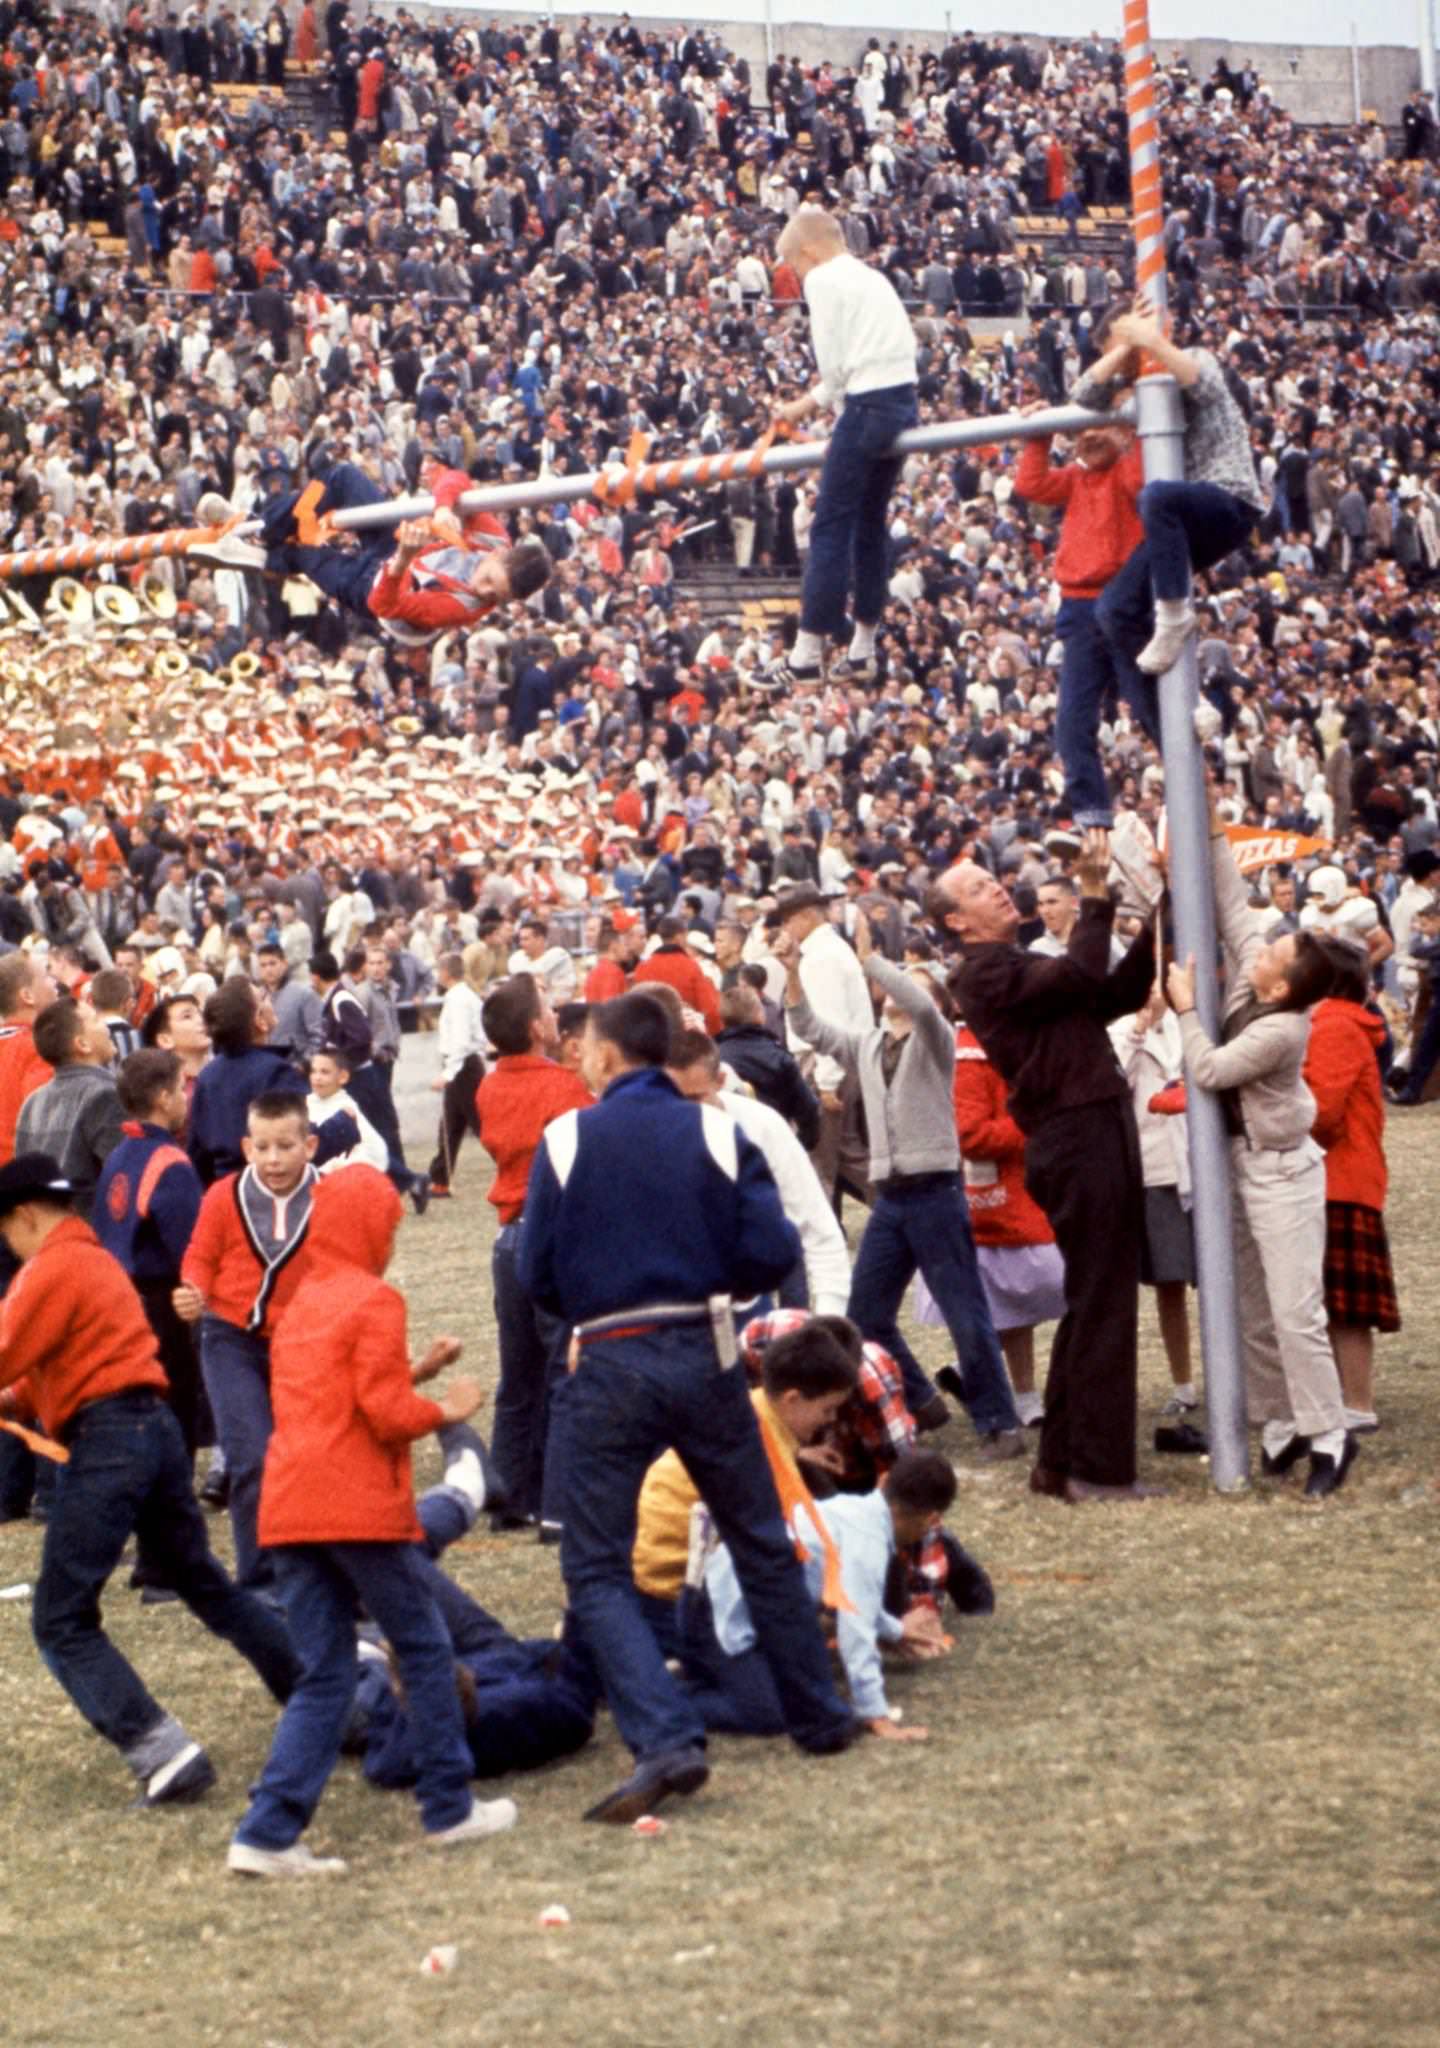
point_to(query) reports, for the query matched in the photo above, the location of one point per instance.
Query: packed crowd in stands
(238, 250)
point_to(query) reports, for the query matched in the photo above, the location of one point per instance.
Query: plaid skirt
(1359, 1283)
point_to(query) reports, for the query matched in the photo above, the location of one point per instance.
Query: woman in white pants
(1292, 1386)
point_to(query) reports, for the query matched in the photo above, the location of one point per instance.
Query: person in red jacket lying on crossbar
(415, 579)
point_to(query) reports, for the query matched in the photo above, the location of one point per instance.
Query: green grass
(1182, 1788)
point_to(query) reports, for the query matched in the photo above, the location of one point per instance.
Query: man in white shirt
(551, 965)
(837, 990)
(696, 1070)
(461, 1037)
(865, 353)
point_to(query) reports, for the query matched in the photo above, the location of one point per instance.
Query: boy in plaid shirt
(873, 1430)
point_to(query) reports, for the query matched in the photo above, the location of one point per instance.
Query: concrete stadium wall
(1312, 84)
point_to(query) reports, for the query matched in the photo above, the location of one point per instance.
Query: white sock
(1171, 611)
(1183, 1391)
(1329, 1445)
(808, 651)
(467, 1476)
(1277, 1437)
(862, 642)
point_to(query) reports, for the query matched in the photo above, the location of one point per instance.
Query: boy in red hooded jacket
(1100, 529)
(337, 1513)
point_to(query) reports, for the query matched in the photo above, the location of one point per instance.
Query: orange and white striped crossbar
(618, 484)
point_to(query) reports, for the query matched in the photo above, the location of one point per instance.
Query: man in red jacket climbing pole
(413, 579)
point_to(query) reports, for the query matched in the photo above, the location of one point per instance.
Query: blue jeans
(236, 1368)
(318, 1584)
(446, 1516)
(925, 1228)
(533, 1348)
(849, 540)
(346, 574)
(630, 1399)
(1188, 527)
(733, 1695)
(129, 1472)
(1091, 673)
(374, 1098)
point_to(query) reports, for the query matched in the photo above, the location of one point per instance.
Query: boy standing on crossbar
(865, 353)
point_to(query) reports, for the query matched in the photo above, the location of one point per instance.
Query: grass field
(1183, 1787)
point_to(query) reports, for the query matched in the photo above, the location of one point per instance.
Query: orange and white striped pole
(1161, 421)
(1147, 204)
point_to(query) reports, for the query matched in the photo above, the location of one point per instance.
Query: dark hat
(33, 1177)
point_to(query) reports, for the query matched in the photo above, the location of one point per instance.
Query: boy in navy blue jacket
(146, 1203)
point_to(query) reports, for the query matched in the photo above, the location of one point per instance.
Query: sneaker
(228, 552)
(1135, 862)
(464, 1461)
(785, 675)
(420, 1193)
(188, 1775)
(1181, 1403)
(999, 1444)
(1166, 644)
(853, 668)
(486, 1817)
(296, 1861)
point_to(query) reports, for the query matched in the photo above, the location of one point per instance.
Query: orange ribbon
(795, 1498)
(42, 1446)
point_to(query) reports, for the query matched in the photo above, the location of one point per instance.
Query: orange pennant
(1255, 848)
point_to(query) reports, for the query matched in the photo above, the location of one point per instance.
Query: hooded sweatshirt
(346, 1411)
(1343, 1074)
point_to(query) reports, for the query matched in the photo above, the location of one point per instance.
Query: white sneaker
(486, 1817)
(1135, 862)
(1172, 629)
(229, 552)
(297, 1861)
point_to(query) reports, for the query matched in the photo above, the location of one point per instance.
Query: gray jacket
(299, 1023)
(1263, 1063)
(75, 1119)
(911, 1118)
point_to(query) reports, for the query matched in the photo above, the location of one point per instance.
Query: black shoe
(1281, 1463)
(1181, 1439)
(840, 1737)
(550, 1532)
(188, 1776)
(503, 1523)
(420, 1193)
(1327, 1474)
(157, 1596)
(653, 1780)
(931, 1414)
(215, 1493)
